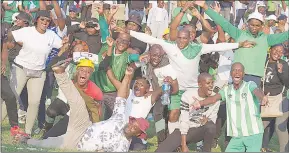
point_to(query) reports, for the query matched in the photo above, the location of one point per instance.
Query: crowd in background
(112, 68)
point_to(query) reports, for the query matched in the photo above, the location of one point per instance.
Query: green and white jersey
(243, 110)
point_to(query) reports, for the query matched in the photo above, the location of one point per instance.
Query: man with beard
(244, 122)
(196, 125)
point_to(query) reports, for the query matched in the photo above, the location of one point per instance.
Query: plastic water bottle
(166, 88)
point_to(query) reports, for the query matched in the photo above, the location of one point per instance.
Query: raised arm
(117, 84)
(60, 18)
(123, 90)
(278, 38)
(220, 47)
(233, 31)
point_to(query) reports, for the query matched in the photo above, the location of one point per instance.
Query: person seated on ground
(141, 100)
(195, 125)
(244, 122)
(112, 135)
(91, 93)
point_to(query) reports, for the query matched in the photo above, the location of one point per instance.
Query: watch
(182, 10)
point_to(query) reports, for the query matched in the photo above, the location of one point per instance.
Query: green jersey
(243, 110)
(9, 13)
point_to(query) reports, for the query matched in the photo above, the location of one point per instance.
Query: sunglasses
(122, 41)
(45, 19)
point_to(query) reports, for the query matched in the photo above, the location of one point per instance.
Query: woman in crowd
(29, 65)
(274, 83)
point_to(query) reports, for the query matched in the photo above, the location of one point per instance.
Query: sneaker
(37, 131)
(15, 130)
(48, 102)
(199, 148)
(215, 143)
(266, 150)
(22, 119)
(21, 113)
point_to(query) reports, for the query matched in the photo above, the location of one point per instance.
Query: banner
(77, 56)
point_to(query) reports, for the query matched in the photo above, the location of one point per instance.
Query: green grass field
(8, 146)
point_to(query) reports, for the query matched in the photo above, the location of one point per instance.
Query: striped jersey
(243, 110)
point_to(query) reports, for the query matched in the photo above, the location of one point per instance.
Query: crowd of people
(193, 65)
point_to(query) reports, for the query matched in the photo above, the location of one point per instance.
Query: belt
(20, 66)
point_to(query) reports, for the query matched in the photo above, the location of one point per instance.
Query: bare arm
(175, 23)
(123, 90)
(284, 6)
(42, 5)
(211, 100)
(221, 35)
(259, 94)
(117, 84)
(6, 7)
(60, 19)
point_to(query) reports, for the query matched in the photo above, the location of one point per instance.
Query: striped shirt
(243, 110)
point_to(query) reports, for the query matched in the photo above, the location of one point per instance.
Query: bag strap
(264, 77)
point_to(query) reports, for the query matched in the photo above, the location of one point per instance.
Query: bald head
(238, 65)
(124, 36)
(157, 48)
(185, 32)
(204, 76)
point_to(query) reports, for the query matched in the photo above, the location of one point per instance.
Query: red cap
(143, 125)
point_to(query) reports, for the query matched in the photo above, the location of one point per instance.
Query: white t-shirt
(163, 72)
(138, 107)
(36, 47)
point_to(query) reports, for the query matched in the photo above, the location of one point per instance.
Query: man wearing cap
(282, 23)
(112, 135)
(72, 18)
(254, 58)
(270, 26)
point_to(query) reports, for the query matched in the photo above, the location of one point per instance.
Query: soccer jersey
(243, 110)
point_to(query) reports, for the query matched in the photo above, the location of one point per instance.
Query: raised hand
(217, 7)
(113, 25)
(195, 12)
(60, 68)
(97, 27)
(113, 9)
(169, 80)
(148, 30)
(280, 67)
(129, 71)
(82, 25)
(247, 44)
(109, 41)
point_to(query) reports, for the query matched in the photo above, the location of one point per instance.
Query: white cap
(256, 15)
(260, 3)
(272, 17)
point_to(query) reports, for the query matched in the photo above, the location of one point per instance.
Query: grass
(8, 146)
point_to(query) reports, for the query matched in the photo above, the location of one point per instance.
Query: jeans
(58, 129)
(206, 133)
(239, 15)
(10, 100)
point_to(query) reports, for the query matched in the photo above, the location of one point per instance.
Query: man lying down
(112, 135)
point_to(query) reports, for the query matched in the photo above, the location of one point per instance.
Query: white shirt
(191, 118)
(138, 107)
(36, 47)
(239, 5)
(163, 72)
(108, 135)
(187, 69)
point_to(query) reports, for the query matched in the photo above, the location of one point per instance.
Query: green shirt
(31, 4)
(9, 13)
(253, 59)
(243, 110)
(118, 66)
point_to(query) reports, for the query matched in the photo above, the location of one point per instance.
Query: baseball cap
(256, 15)
(272, 17)
(44, 13)
(135, 18)
(282, 17)
(143, 125)
(167, 31)
(92, 22)
(85, 63)
(73, 8)
(23, 16)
